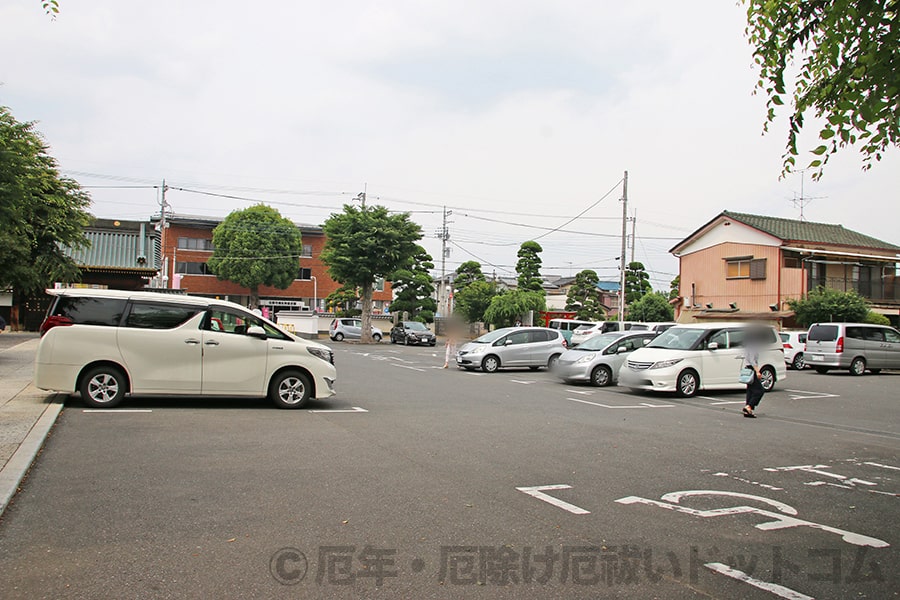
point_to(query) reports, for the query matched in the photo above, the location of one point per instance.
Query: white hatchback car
(702, 356)
(794, 343)
(109, 343)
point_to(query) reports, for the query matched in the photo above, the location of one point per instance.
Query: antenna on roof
(802, 201)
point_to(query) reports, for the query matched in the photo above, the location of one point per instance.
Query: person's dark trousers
(755, 392)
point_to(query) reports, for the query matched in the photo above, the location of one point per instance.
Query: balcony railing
(884, 290)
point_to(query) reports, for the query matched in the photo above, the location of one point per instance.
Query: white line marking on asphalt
(728, 402)
(538, 492)
(641, 405)
(582, 392)
(355, 409)
(117, 410)
(778, 590)
(874, 464)
(522, 382)
(806, 395)
(749, 481)
(408, 367)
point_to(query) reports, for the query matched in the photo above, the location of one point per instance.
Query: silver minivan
(532, 347)
(857, 347)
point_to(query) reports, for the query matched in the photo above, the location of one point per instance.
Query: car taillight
(787, 346)
(840, 344)
(52, 321)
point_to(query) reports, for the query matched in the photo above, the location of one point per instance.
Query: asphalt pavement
(420, 482)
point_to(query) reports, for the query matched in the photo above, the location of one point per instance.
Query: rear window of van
(84, 310)
(823, 333)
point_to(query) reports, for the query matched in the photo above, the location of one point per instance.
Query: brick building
(187, 243)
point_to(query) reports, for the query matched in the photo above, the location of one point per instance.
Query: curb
(20, 462)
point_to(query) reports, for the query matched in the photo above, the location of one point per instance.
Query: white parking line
(408, 367)
(641, 405)
(522, 382)
(355, 409)
(117, 410)
(806, 395)
(728, 402)
(774, 588)
(538, 492)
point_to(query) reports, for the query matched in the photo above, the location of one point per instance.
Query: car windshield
(598, 342)
(490, 337)
(415, 326)
(677, 338)
(584, 328)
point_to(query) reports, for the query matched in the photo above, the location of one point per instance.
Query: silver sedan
(598, 359)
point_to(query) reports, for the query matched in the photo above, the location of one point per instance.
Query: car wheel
(338, 337)
(799, 362)
(688, 383)
(405, 341)
(767, 379)
(821, 370)
(393, 341)
(103, 387)
(490, 364)
(377, 338)
(858, 366)
(601, 376)
(433, 343)
(290, 389)
(551, 364)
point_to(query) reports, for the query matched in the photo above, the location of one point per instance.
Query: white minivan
(702, 356)
(109, 343)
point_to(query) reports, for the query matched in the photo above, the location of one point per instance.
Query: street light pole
(315, 293)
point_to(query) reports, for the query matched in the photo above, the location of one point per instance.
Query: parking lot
(416, 481)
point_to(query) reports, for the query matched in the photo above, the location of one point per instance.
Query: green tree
(342, 301)
(414, 288)
(675, 288)
(364, 244)
(528, 267)
(473, 300)
(637, 282)
(850, 52)
(40, 212)
(256, 246)
(584, 297)
(466, 273)
(507, 308)
(875, 318)
(651, 307)
(826, 304)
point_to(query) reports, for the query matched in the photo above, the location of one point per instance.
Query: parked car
(567, 326)
(854, 346)
(794, 343)
(585, 332)
(109, 343)
(412, 332)
(533, 347)
(599, 358)
(702, 356)
(351, 329)
(660, 326)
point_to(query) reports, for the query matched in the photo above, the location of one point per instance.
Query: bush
(874, 318)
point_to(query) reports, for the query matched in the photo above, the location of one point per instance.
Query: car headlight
(584, 359)
(479, 349)
(664, 364)
(322, 353)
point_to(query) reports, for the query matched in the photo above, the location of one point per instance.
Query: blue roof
(609, 286)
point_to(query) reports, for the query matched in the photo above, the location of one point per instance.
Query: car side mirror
(712, 346)
(621, 350)
(507, 343)
(256, 331)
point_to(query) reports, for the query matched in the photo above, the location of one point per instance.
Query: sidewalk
(26, 413)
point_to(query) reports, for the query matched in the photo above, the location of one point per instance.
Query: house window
(306, 251)
(379, 284)
(305, 274)
(186, 243)
(192, 268)
(738, 268)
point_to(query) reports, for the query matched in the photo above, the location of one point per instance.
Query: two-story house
(741, 266)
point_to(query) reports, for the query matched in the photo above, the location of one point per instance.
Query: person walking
(450, 347)
(755, 389)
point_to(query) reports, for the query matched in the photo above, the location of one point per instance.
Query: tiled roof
(805, 231)
(117, 248)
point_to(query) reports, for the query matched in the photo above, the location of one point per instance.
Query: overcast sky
(516, 115)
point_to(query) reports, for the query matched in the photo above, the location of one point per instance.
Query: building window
(305, 274)
(306, 251)
(379, 284)
(186, 243)
(192, 268)
(737, 268)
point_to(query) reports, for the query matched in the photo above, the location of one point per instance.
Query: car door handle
(211, 343)
(192, 341)
(277, 347)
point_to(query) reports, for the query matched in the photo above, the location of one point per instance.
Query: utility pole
(444, 234)
(633, 226)
(362, 195)
(624, 248)
(163, 226)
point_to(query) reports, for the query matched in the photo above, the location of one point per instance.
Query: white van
(701, 356)
(109, 343)
(857, 347)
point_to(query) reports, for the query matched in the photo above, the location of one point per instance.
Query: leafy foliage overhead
(40, 211)
(849, 57)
